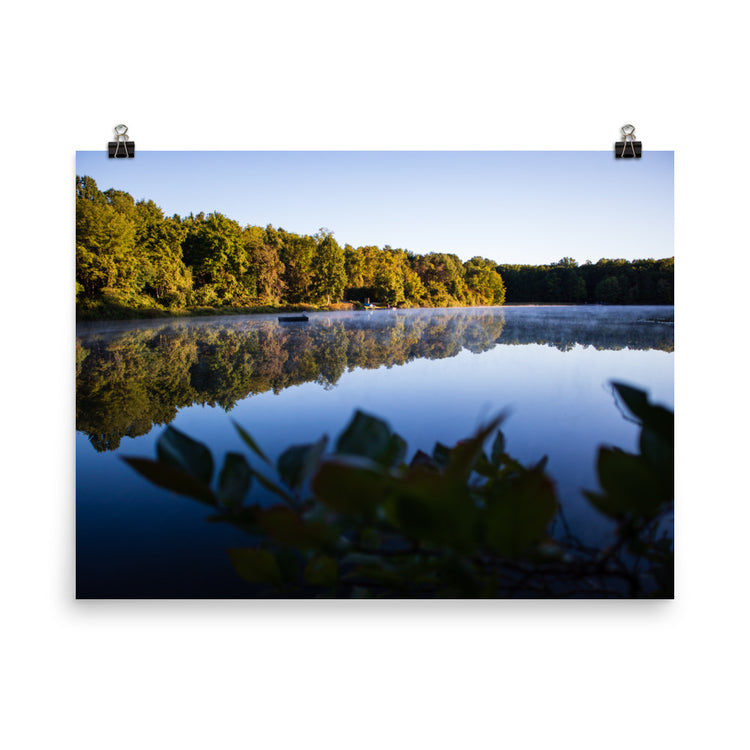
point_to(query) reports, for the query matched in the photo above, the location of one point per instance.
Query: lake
(434, 375)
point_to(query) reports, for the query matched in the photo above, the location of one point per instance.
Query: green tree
(328, 270)
(389, 281)
(263, 278)
(163, 274)
(214, 250)
(354, 266)
(443, 277)
(609, 291)
(130, 256)
(297, 254)
(105, 242)
(484, 282)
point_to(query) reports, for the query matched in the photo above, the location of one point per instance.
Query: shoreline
(148, 313)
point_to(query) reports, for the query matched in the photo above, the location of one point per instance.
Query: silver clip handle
(628, 136)
(121, 137)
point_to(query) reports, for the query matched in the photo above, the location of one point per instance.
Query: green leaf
(286, 526)
(622, 473)
(364, 436)
(422, 459)
(370, 437)
(322, 571)
(498, 449)
(661, 421)
(656, 419)
(172, 479)
(429, 506)
(630, 484)
(256, 565)
(395, 452)
(234, 480)
(604, 503)
(250, 443)
(350, 486)
(465, 454)
(659, 454)
(271, 486)
(635, 399)
(297, 464)
(519, 512)
(441, 454)
(484, 468)
(182, 452)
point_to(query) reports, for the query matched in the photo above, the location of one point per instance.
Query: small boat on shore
(293, 318)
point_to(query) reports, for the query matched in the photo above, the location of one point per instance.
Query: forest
(133, 261)
(607, 282)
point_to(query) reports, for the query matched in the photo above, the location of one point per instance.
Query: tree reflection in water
(130, 380)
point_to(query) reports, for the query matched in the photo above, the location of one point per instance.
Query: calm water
(435, 375)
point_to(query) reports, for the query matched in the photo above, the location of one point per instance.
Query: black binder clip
(628, 147)
(121, 147)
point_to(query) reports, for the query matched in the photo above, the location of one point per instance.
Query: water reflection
(132, 376)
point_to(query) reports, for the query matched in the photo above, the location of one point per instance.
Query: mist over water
(435, 375)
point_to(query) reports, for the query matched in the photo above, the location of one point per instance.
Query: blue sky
(511, 206)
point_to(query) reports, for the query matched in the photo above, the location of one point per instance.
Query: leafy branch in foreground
(462, 522)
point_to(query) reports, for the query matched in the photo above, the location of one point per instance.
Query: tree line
(130, 257)
(609, 282)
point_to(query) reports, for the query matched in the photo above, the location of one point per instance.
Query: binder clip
(121, 147)
(628, 147)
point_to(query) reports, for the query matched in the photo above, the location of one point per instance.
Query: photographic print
(347, 374)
